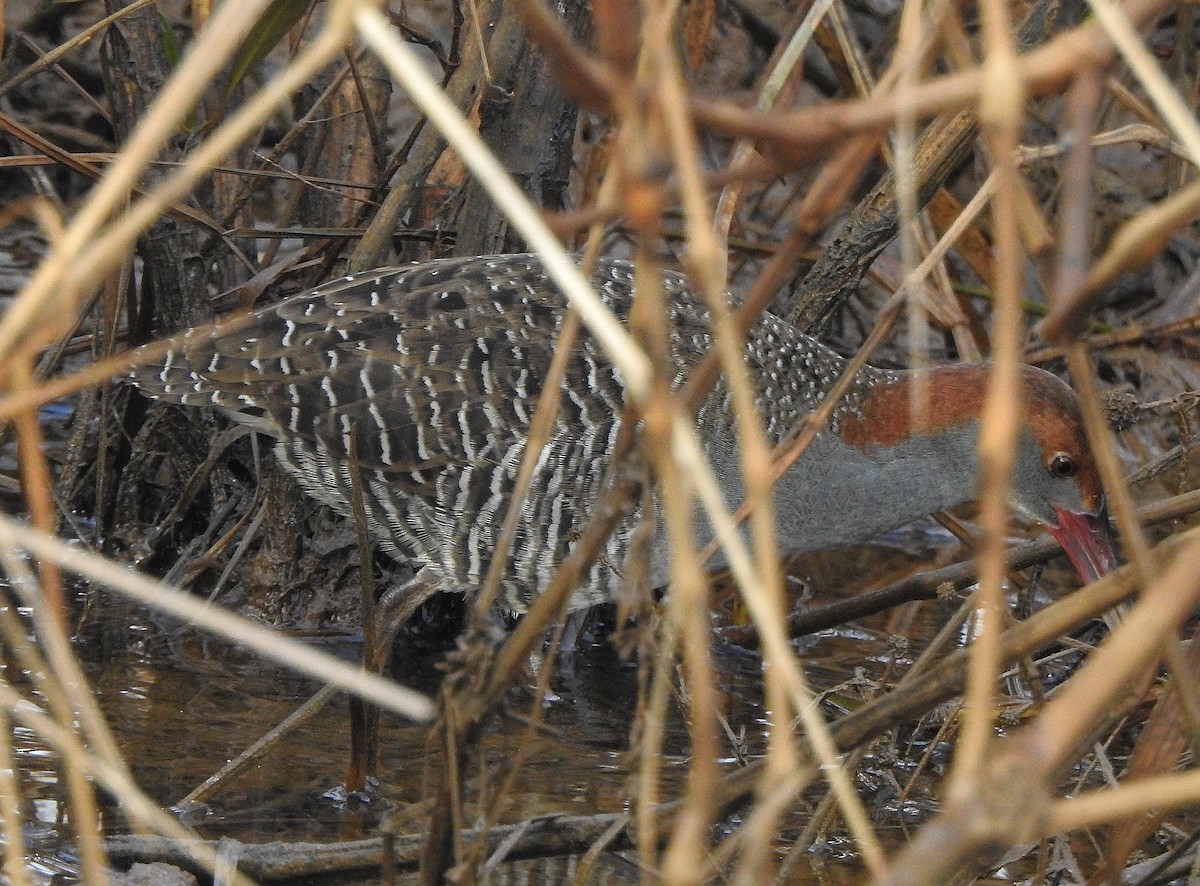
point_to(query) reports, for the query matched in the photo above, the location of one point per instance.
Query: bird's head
(1055, 481)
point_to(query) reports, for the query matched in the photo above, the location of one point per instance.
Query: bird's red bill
(1087, 541)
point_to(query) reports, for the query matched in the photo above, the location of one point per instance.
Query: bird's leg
(573, 629)
(561, 644)
(381, 619)
(381, 623)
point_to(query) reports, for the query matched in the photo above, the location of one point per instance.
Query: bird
(425, 378)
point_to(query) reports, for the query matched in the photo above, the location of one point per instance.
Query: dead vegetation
(965, 174)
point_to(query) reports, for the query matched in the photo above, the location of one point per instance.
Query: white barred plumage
(437, 368)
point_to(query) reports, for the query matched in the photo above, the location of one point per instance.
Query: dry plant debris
(1012, 181)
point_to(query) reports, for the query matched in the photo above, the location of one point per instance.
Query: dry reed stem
(1000, 116)
(11, 814)
(907, 64)
(686, 858)
(765, 596)
(755, 454)
(1132, 133)
(782, 760)
(795, 676)
(760, 823)
(653, 726)
(1117, 493)
(61, 693)
(37, 485)
(59, 677)
(1157, 794)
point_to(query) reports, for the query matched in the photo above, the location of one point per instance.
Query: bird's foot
(344, 798)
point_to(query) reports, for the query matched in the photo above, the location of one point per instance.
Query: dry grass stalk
(1001, 791)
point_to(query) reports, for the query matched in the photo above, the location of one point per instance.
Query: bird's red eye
(1062, 465)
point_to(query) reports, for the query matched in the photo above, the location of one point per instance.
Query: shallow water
(182, 703)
